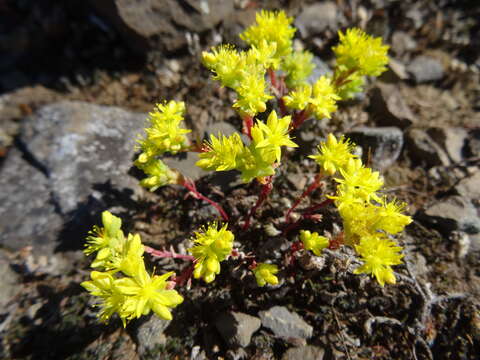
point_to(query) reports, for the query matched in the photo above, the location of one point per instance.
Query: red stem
(167, 254)
(299, 118)
(283, 108)
(248, 124)
(307, 215)
(185, 276)
(266, 189)
(273, 78)
(313, 208)
(310, 189)
(190, 185)
(296, 246)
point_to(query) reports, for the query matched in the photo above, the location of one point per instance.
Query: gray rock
(151, 23)
(402, 42)
(149, 333)
(317, 18)
(285, 324)
(9, 282)
(452, 140)
(79, 145)
(389, 107)
(76, 158)
(237, 328)
(469, 187)
(425, 69)
(398, 69)
(307, 352)
(27, 210)
(423, 150)
(452, 214)
(381, 145)
(473, 144)
(275, 247)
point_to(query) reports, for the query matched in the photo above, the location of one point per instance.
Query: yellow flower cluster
(319, 99)
(333, 154)
(313, 241)
(265, 274)
(369, 220)
(256, 160)
(361, 52)
(158, 174)
(213, 245)
(298, 66)
(163, 135)
(273, 27)
(123, 284)
(244, 72)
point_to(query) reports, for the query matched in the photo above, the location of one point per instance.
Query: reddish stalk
(273, 78)
(308, 214)
(185, 276)
(299, 118)
(316, 183)
(312, 209)
(296, 246)
(167, 254)
(283, 108)
(342, 78)
(247, 125)
(266, 190)
(190, 185)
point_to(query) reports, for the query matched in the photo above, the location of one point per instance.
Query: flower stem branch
(190, 185)
(167, 254)
(316, 183)
(266, 190)
(247, 125)
(299, 118)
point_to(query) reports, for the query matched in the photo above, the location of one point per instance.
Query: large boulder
(72, 162)
(162, 23)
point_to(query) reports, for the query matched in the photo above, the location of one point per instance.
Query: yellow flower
(158, 174)
(226, 63)
(105, 238)
(144, 293)
(252, 97)
(298, 65)
(272, 27)
(263, 55)
(265, 274)
(313, 241)
(378, 254)
(102, 286)
(299, 98)
(361, 52)
(222, 154)
(165, 133)
(212, 247)
(334, 154)
(129, 259)
(390, 217)
(360, 180)
(275, 133)
(324, 98)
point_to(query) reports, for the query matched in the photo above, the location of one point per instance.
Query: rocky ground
(76, 80)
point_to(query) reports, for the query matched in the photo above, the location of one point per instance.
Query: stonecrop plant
(269, 76)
